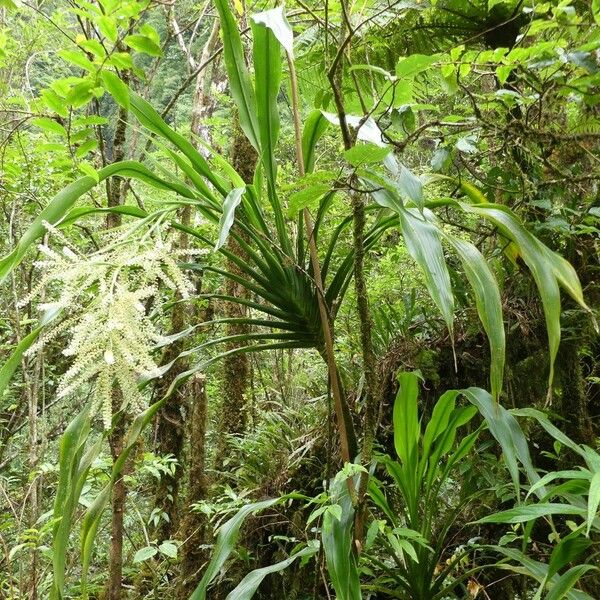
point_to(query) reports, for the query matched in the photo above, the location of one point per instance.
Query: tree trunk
(117, 435)
(236, 368)
(193, 525)
(170, 429)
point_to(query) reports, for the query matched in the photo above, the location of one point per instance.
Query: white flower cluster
(105, 295)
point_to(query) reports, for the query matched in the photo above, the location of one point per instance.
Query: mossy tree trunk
(236, 368)
(170, 426)
(193, 529)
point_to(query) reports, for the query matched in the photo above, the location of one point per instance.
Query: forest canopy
(299, 300)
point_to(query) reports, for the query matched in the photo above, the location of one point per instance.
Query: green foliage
(225, 544)
(415, 530)
(468, 132)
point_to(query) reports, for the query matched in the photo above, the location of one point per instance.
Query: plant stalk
(346, 443)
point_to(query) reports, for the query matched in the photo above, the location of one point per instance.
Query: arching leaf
(423, 243)
(248, 586)
(489, 305)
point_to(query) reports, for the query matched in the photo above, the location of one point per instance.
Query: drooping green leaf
(423, 243)
(314, 128)
(505, 428)
(66, 198)
(562, 586)
(489, 305)
(569, 549)
(230, 203)
(537, 257)
(14, 360)
(410, 186)
(593, 501)
(248, 586)
(225, 544)
(554, 431)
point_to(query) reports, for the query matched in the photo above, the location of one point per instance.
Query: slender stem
(371, 391)
(345, 440)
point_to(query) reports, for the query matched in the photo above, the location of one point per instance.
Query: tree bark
(170, 428)
(193, 528)
(117, 435)
(236, 368)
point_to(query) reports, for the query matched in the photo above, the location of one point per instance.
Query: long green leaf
(562, 586)
(149, 118)
(66, 498)
(315, 127)
(439, 420)
(554, 431)
(505, 428)
(337, 544)
(248, 586)
(568, 550)
(230, 203)
(535, 569)
(529, 512)
(423, 243)
(226, 540)
(267, 77)
(536, 257)
(489, 305)
(14, 360)
(406, 419)
(65, 199)
(593, 501)
(237, 73)
(91, 519)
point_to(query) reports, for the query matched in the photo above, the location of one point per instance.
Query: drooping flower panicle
(106, 296)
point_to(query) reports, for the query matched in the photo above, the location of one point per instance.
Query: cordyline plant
(295, 290)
